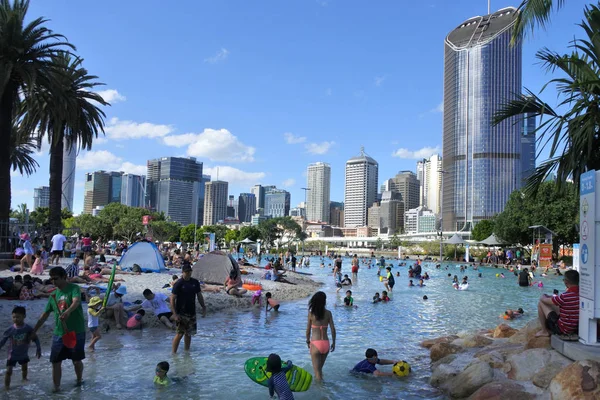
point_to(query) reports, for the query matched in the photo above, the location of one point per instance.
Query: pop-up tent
(214, 267)
(144, 254)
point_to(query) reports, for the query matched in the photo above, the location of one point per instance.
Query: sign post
(589, 264)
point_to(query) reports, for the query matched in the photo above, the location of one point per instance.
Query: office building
(41, 197)
(419, 220)
(407, 184)
(373, 215)
(246, 206)
(231, 207)
(318, 181)
(114, 195)
(68, 176)
(215, 202)
(133, 190)
(277, 203)
(336, 214)
(360, 190)
(391, 213)
(429, 173)
(96, 190)
(259, 192)
(297, 212)
(174, 186)
(481, 161)
(528, 149)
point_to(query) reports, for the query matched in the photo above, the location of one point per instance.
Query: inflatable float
(298, 378)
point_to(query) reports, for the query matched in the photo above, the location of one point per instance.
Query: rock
(524, 365)
(445, 339)
(544, 376)
(538, 343)
(580, 380)
(527, 332)
(501, 391)
(468, 381)
(441, 350)
(448, 368)
(477, 341)
(504, 331)
(495, 359)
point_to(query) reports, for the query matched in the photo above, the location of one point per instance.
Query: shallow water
(123, 365)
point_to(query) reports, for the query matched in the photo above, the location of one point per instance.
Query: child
(20, 335)
(376, 298)
(421, 284)
(257, 298)
(45, 256)
(410, 283)
(384, 296)
(277, 382)
(160, 377)
(38, 265)
(346, 281)
(272, 304)
(136, 320)
(512, 314)
(389, 281)
(367, 365)
(348, 300)
(94, 310)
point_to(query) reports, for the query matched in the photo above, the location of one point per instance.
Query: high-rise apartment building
(96, 190)
(419, 220)
(173, 186)
(277, 203)
(429, 173)
(215, 202)
(360, 190)
(421, 176)
(336, 214)
(481, 161)
(133, 190)
(246, 206)
(41, 197)
(318, 181)
(68, 176)
(407, 184)
(528, 149)
(259, 192)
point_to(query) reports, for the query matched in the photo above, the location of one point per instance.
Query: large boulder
(524, 365)
(430, 342)
(475, 340)
(580, 380)
(504, 331)
(441, 350)
(542, 342)
(468, 381)
(544, 376)
(494, 358)
(501, 391)
(448, 368)
(527, 332)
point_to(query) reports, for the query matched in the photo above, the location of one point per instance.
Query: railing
(10, 234)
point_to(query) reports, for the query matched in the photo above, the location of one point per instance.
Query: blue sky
(260, 89)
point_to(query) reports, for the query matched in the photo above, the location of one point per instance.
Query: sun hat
(94, 301)
(122, 290)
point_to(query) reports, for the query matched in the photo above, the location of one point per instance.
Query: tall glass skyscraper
(318, 181)
(481, 162)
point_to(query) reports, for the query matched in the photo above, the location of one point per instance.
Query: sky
(258, 90)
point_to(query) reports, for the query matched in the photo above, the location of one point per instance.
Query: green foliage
(231, 235)
(284, 230)
(40, 216)
(249, 232)
(20, 213)
(165, 231)
(219, 231)
(186, 233)
(87, 223)
(483, 230)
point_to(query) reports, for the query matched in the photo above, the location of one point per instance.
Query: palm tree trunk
(56, 178)
(6, 112)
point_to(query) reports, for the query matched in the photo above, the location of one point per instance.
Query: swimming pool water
(123, 365)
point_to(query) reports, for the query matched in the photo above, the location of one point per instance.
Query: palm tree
(25, 51)
(573, 136)
(532, 13)
(66, 111)
(22, 145)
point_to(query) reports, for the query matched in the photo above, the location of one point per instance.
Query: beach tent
(455, 239)
(246, 241)
(214, 267)
(492, 240)
(144, 254)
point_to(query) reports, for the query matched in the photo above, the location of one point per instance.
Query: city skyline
(231, 117)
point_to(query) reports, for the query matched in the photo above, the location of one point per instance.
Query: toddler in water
(272, 304)
(257, 298)
(20, 336)
(94, 310)
(348, 300)
(376, 298)
(384, 296)
(136, 320)
(410, 283)
(278, 383)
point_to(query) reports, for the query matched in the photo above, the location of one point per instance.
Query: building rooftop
(361, 158)
(478, 31)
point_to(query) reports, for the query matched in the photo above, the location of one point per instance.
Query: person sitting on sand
(159, 303)
(233, 284)
(559, 314)
(114, 306)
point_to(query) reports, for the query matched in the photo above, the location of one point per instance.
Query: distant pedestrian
(58, 247)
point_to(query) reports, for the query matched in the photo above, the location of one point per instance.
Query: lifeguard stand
(541, 245)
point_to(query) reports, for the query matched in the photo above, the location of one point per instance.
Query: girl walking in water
(319, 318)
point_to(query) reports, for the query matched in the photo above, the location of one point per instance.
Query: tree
(165, 231)
(88, 224)
(532, 13)
(20, 213)
(282, 229)
(572, 136)
(67, 112)
(232, 235)
(249, 232)
(219, 231)
(40, 216)
(483, 230)
(269, 232)
(26, 52)
(186, 233)
(22, 146)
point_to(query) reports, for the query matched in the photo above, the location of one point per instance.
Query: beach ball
(497, 275)
(401, 368)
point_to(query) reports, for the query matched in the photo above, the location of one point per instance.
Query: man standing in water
(183, 302)
(65, 302)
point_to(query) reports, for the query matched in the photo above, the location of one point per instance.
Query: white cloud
(234, 176)
(221, 55)
(21, 192)
(45, 149)
(107, 161)
(112, 96)
(121, 130)
(100, 140)
(214, 144)
(289, 182)
(290, 138)
(319, 148)
(425, 152)
(439, 108)
(379, 80)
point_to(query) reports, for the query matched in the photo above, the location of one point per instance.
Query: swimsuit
(323, 344)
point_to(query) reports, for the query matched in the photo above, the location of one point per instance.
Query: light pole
(441, 215)
(305, 214)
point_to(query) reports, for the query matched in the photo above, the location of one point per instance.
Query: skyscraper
(277, 203)
(133, 188)
(318, 180)
(96, 190)
(41, 197)
(391, 213)
(360, 190)
(336, 214)
(481, 162)
(173, 186)
(429, 175)
(215, 202)
(259, 192)
(246, 206)
(68, 176)
(528, 148)
(407, 184)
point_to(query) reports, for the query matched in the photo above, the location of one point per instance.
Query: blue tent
(144, 254)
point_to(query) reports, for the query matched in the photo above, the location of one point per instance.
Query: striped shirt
(278, 384)
(568, 302)
(72, 270)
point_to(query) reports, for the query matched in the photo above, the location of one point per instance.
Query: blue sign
(587, 182)
(584, 254)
